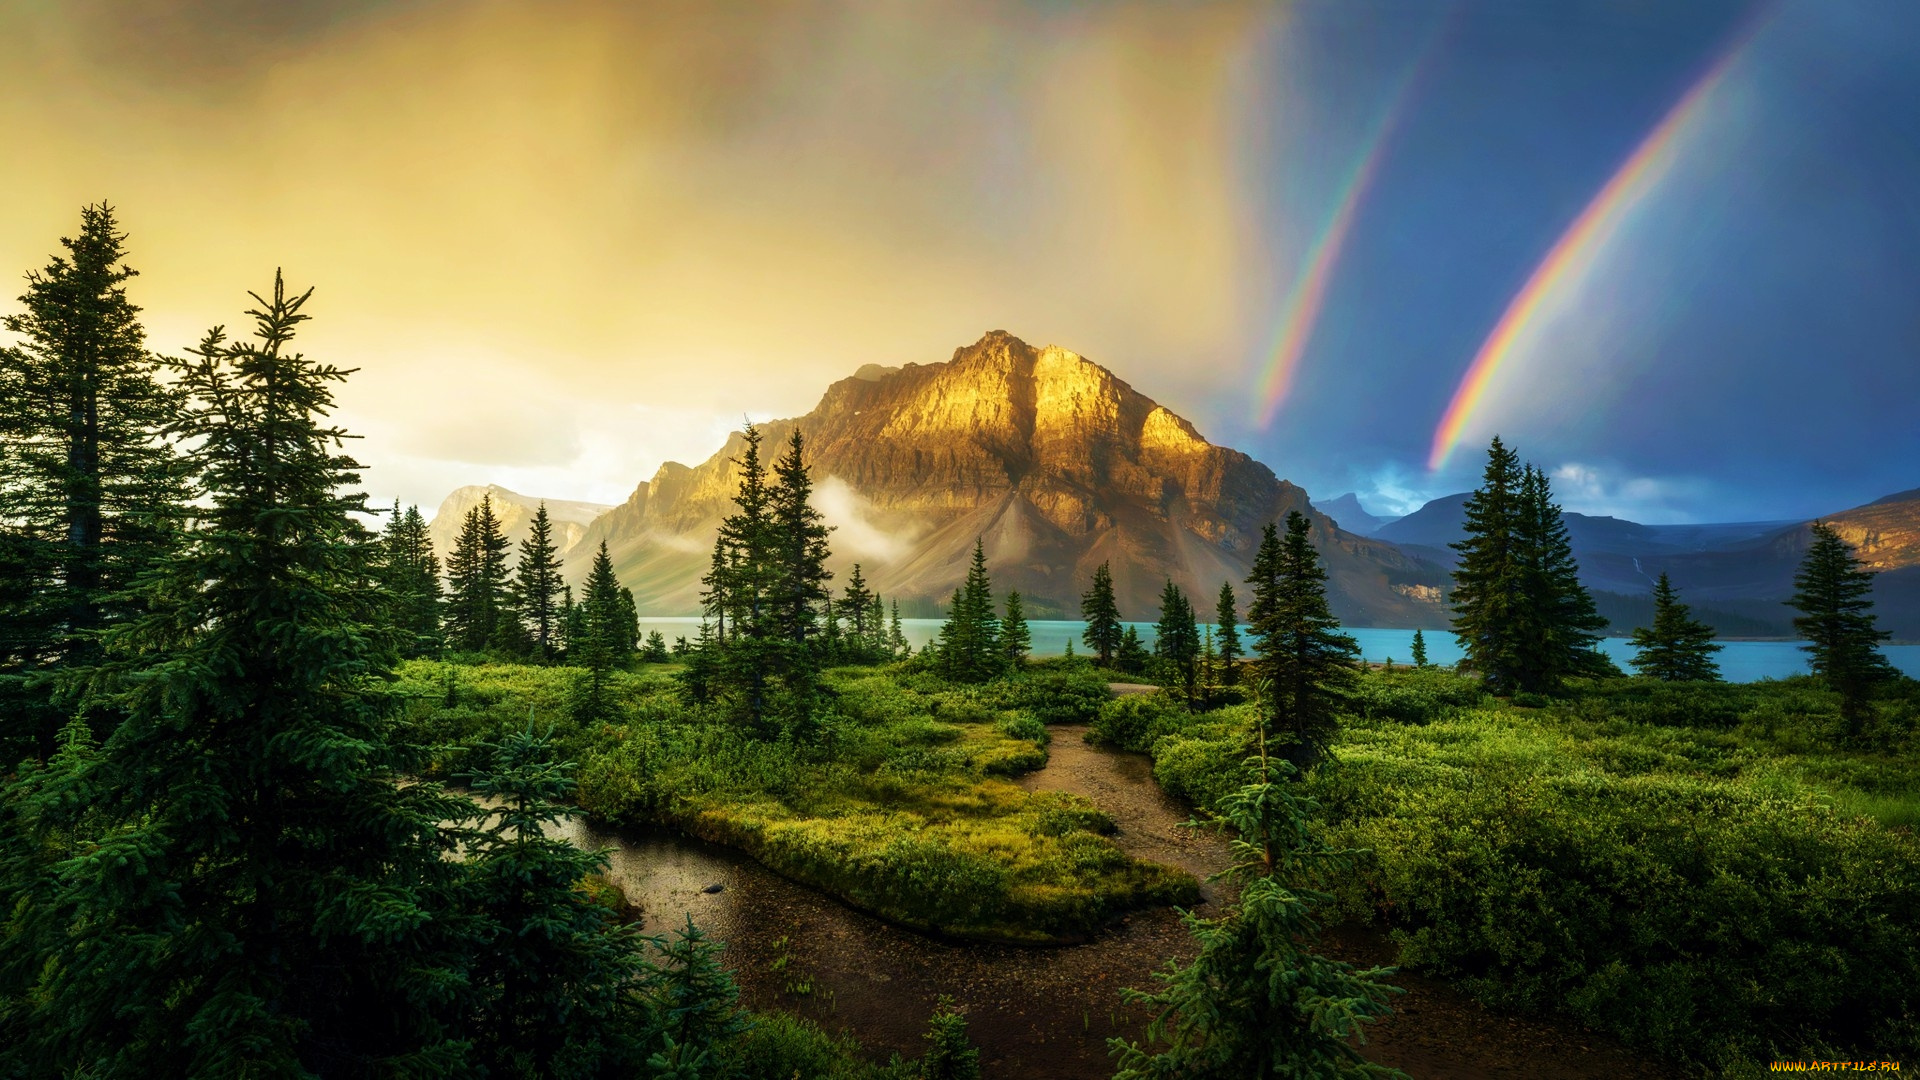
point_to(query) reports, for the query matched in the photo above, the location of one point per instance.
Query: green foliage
(1176, 643)
(950, 1054)
(1058, 693)
(261, 888)
(1419, 649)
(969, 648)
(410, 574)
(477, 581)
(91, 489)
(1255, 1001)
(1102, 615)
(1303, 659)
(1677, 647)
(537, 587)
(1132, 657)
(1227, 634)
(552, 968)
(692, 1007)
(781, 1047)
(1836, 619)
(1015, 639)
(1522, 616)
(1133, 721)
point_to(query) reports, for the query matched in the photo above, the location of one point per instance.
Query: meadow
(1701, 870)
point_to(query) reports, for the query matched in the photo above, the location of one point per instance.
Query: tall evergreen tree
(91, 492)
(1176, 642)
(537, 586)
(1563, 625)
(1304, 659)
(1015, 639)
(896, 634)
(1836, 619)
(745, 571)
(270, 887)
(801, 574)
(603, 644)
(1255, 1002)
(411, 577)
(857, 601)
(477, 580)
(1227, 637)
(1489, 590)
(1102, 616)
(554, 972)
(969, 647)
(1677, 647)
(1419, 649)
(1131, 657)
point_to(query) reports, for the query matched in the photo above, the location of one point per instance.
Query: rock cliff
(1055, 462)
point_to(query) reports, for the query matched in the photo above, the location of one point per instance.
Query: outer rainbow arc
(1301, 311)
(1576, 247)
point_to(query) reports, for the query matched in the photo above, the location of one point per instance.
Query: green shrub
(1018, 724)
(781, 1047)
(1132, 721)
(1066, 695)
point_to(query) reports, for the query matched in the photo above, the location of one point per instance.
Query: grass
(906, 808)
(1710, 872)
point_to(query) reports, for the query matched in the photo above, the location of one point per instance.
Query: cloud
(857, 536)
(1605, 491)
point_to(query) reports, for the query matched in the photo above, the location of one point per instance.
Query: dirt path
(1435, 1032)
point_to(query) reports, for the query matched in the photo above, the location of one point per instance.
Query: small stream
(1033, 1011)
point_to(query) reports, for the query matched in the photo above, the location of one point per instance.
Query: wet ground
(1047, 1012)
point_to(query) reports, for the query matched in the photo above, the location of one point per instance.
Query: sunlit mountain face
(1668, 251)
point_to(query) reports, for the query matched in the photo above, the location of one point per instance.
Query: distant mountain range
(1058, 466)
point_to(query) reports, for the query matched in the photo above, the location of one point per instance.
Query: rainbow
(1576, 248)
(1301, 310)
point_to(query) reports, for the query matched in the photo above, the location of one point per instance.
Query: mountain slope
(515, 511)
(1049, 458)
(1347, 512)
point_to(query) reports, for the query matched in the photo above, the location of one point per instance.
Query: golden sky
(566, 241)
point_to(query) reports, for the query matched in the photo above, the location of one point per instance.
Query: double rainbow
(1574, 252)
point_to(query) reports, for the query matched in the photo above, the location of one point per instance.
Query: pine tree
(411, 578)
(896, 634)
(969, 645)
(950, 1055)
(1015, 639)
(477, 580)
(1489, 590)
(857, 600)
(1419, 649)
(91, 490)
(1102, 616)
(553, 969)
(538, 585)
(876, 643)
(1303, 658)
(655, 651)
(1563, 625)
(745, 570)
(1677, 647)
(800, 574)
(603, 644)
(692, 1006)
(1836, 619)
(271, 888)
(1255, 1002)
(1227, 639)
(1131, 657)
(1176, 643)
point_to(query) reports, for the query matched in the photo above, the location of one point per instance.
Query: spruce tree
(477, 580)
(537, 586)
(857, 600)
(745, 570)
(1255, 1002)
(1419, 649)
(876, 643)
(553, 969)
(950, 1055)
(270, 890)
(1015, 639)
(1836, 619)
(1677, 647)
(1131, 657)
(969, 645)
(411, 577)
(91, 490)
(896, 634)
(1102, 615)
(1562, 624)
(602, 644)
(1227, 638)
(1305, 661)
(1176, 643)
(801, 574)
(1489, 587)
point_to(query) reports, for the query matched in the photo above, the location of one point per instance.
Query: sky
(1669, 251)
